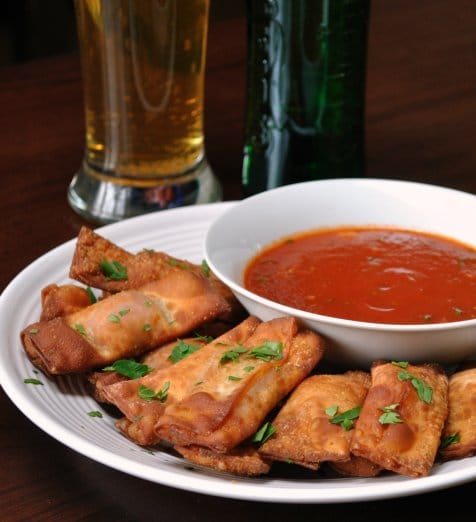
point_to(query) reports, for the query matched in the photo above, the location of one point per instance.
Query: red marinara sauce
(381, 275)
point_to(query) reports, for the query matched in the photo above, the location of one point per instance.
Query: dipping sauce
(381, 275)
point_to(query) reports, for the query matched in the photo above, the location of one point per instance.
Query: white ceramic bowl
(253, 223)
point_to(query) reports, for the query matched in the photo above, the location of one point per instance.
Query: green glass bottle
(305, 91)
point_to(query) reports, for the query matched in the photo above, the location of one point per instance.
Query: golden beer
(143, 64)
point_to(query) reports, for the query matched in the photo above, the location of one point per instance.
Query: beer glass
(143, 66)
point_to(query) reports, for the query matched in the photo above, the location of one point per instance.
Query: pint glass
(143, 66)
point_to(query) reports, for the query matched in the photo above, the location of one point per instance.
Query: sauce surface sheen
(381, 275)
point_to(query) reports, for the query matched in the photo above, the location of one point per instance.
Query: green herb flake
(454, 438)
(233, 354)
(264, 433)
(425, 393)
(31, 380)
(129, 368)
(204, 338)
(113, 270)
(389, 415)
(248, 369)
(205, 268)
(347, 418)
(113, 318)
(331, 410)
(182, 350)
(177, 263)
(233, 378)
(268, 350)
(80, 329)
(124, 312)
(400, 364)
(34, 331)
(147, 328)
(148, 302)
(148, 394)
(92, 298)
(95, 413)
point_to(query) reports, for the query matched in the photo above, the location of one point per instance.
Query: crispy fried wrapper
(92, 249)
(142, 415)
(156, 359)
(459, 433)
(305, 434)
(236, 393)
(125, 324)
(244, 460)
(62, 300)
(400, 424)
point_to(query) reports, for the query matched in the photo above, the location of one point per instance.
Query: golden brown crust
(223, 411)
(408, 447)
(91, 249)
(125, 324)
(183, 376)
(242, 460)
(58, 301)
(356, 467)
(304, 433)
(58, 349)
(461, 420)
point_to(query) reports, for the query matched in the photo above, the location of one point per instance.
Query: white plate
(60, 406)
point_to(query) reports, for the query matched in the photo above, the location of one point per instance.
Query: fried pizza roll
(158, 358)
(459, 433)
(400, 424)
(356, 467)
(61, 300)
(244, 460)
(99, 263)
(125, 324)
(307, 432)
(241, 387)
(144, 400)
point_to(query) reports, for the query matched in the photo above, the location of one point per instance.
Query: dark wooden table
(421, 125)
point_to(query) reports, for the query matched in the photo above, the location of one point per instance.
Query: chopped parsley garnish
(331, 410)
(268, 350)
(92, 298)
(205, 268)
(182, 350)
(148, 394)
(113, 318)
(400, 364)
(147, 328)
(128, 368)
(233, 354)
(248, 369)
(179, 264)
(234, 378)
(113, 270)
(389, 415)
(454, 438)
(34, 331)
(347, 418)
(205, 338)
(95, 413)
(30, 380)
(80, 329)
(425, 393)
(264, 433)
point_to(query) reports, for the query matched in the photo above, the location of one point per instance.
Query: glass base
(107, 202)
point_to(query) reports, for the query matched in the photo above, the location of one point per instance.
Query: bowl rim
(239, 289)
